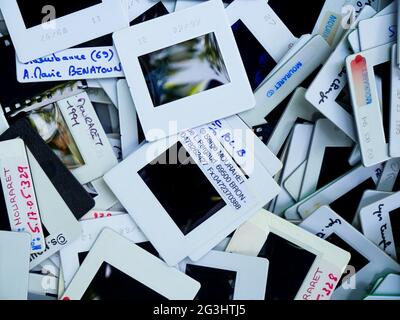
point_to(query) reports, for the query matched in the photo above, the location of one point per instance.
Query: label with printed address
(20, 198)
(217, 164)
